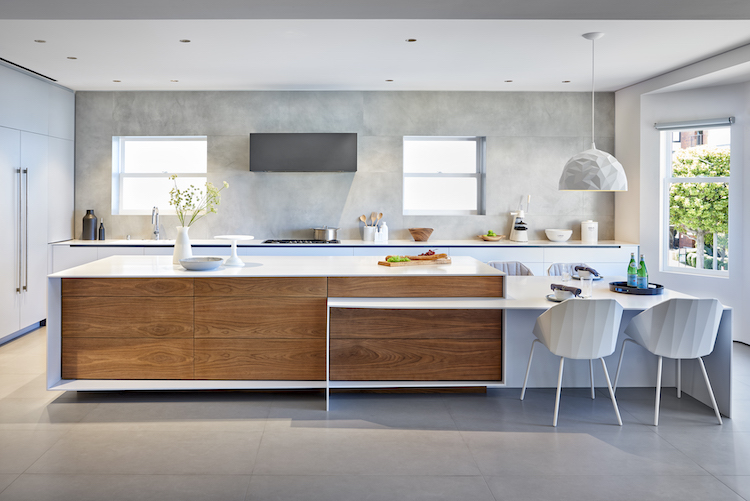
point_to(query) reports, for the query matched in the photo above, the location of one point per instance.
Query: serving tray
(418, 262)
(624, 288)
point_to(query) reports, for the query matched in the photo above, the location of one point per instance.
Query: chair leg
(679, 378)
(611, 393)
(526, 379)
(559, 386)
(710, 390)
(658, 391)
(591, 376)
(619, 363)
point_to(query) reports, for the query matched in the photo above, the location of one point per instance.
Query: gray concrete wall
(530, 136)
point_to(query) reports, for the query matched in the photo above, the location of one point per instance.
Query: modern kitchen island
(281, 322)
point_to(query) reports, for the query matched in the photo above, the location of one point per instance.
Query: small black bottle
(89, 226)
(101, 230)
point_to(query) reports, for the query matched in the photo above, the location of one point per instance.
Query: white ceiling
(361, 54)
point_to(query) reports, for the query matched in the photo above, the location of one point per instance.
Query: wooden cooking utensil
(380, 216)
(372, 217)
(363, 218)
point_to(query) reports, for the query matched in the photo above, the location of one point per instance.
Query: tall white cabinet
(36, 192)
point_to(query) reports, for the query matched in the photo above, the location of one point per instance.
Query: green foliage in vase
(193, 203)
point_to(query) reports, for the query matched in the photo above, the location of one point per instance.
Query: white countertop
(271, 266)
(258, 242)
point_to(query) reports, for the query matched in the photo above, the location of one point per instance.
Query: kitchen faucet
(155, 222)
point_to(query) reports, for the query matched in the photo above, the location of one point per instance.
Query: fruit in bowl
(491, 236)
(558, 235)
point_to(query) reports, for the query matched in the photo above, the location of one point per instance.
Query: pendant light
(593, 170)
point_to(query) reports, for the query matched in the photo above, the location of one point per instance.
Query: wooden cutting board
(418, 262)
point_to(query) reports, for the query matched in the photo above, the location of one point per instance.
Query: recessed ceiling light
(185, 40)
(566, 81)
(40, 41)
(71, 57)
(508, 81)
(411, 39)
(118, 81)
(389, 80)
(174, 80)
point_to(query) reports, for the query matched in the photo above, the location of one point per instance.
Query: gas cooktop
(292, 241)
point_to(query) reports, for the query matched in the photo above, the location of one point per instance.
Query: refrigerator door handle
(18, 284)
(26, 235)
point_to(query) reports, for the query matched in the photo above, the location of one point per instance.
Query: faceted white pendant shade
(594, 170)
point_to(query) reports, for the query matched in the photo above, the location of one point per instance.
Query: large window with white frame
(142, 166)
(444, 175)
(696, 168)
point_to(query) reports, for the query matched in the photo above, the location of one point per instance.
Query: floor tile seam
(682, 453)
(471, 452)
(729, 486)
(18, 475)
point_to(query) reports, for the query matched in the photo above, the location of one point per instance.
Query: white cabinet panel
(103, 252)
(323, 250)
(10, 161)
(158, 251)
(524, 254)
(64, 256)
(212, 251)
(62, 107)
(589, 254)
(34, 162)
(24, 101)
(401, 251)
(60, 190)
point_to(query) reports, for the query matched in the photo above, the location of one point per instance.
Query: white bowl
(558, 235)
(561, 294)
(201, 263)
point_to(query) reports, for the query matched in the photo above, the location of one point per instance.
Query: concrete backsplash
(530, 136)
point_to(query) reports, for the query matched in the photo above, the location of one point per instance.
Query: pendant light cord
(593, 145)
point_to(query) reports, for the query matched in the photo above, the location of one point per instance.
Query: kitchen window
(142, 165)
(444, 175)
(696, 167)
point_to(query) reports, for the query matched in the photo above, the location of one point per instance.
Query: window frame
(118, 174)
(480, 175)
(666, 141)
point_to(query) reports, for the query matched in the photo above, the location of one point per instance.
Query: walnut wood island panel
(139, 322)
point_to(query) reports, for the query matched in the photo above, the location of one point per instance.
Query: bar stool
(511, 267)
(677, 328)
(579, 329)
(557, 269)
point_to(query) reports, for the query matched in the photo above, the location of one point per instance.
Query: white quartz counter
(258, 242)
(271, 266)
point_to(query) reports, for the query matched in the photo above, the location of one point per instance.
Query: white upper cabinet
(24, 101)
(62, 107)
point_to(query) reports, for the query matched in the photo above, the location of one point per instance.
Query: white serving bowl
(201, 263)
(558, 235)
(561, 295)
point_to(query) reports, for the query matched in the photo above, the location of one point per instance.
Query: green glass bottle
(632, 271)
(642, 275)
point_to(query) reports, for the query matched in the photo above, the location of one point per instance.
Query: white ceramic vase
(182, 249)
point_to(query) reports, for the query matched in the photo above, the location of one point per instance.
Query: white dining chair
(557, 269)
(678, 328)
(579, 329)
(511, 267)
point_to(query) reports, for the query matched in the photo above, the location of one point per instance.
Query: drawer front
(261, 287)
(415, 360)
(260, 359)
(415, 286)
(249, 317)
(364, 323)
(119, 287)
(127, 317)
(102, 358)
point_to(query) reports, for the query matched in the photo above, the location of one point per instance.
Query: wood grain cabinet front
(415, 345)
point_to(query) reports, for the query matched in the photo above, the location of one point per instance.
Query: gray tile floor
(283, 446)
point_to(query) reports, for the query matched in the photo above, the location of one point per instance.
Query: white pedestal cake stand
(234, 260)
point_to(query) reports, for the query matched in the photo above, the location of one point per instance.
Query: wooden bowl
(421, 234)
(488, 238)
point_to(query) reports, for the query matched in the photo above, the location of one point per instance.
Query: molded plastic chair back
(580, 328)
(511, 267)
(678, 328)
(557, 269)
